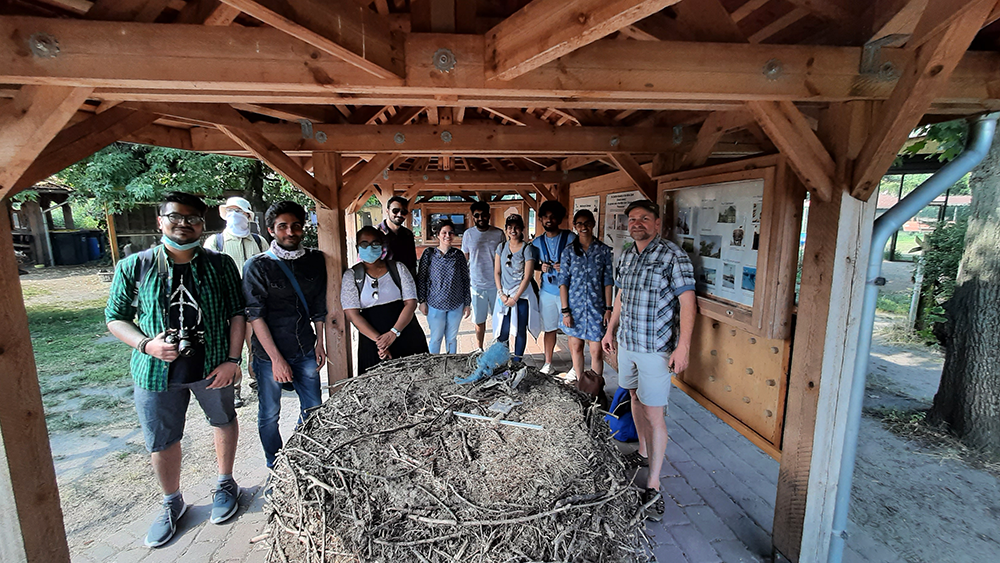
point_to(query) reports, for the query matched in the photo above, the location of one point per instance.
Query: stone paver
(719, 501)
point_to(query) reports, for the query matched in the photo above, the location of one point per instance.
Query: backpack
(147, 257)
(359, 275)
(218, 241)
(620, 420)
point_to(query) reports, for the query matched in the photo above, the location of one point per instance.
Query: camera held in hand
(185, 339)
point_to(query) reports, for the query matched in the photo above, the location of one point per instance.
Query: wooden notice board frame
(777, 254)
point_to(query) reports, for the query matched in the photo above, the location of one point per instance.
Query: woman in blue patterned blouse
(585, 288)
(443, 289)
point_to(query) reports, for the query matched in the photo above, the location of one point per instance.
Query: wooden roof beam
(921, 81)
(790, 132)
(207, 12)
(29, 122)
(777, 25)
(938, 16)
(627, 164)
(837, 10)
(82, 140)
(714, 127)
(345, 30)
(363, 178)
(137, 10)
(545, 30)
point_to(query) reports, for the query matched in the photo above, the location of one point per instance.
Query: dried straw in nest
(384, 471)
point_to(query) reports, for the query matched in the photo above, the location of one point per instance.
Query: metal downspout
(980, 140)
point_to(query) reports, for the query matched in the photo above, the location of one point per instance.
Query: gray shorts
(482, 304)
(162, 413)
(647, 373)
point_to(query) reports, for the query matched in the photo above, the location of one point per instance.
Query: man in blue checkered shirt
(655, 309)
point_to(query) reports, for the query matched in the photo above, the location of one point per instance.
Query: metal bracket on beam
(871, 58)
(444, 60)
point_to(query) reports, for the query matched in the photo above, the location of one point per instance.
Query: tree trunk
(968, 398)
(255, 195)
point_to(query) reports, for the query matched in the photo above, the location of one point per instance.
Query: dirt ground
(922, 499)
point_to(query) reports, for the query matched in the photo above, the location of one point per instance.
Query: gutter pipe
(979, 142)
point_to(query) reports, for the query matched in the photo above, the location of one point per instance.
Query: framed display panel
(457, 211)
(741, 229)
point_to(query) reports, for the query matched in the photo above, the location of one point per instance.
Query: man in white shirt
(237, 242)
(550, 245)
(480, 245)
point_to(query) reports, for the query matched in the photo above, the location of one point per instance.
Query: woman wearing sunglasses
(443, 289)
(379, 298)
(516, 307)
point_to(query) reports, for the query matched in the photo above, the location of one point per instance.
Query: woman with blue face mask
(379, 297)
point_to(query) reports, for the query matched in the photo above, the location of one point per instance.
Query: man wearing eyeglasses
(399, 242)
(285, 289)
(181, 308)
(480, 246)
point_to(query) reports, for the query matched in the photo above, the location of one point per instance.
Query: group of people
(187, 307)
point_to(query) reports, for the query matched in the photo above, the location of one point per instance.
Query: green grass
(897, 303)
(33, 291)
(64, 338)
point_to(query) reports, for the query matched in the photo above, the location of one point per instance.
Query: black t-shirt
(184, 307)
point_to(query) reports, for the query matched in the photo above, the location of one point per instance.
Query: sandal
(636, 460)
(652, 501)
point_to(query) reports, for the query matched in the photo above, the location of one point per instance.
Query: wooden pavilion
(548, 99)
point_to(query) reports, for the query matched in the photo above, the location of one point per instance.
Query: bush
(942, 255)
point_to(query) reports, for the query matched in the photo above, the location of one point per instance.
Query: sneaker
(569, 376)
(237, 400)
(546, 369)
(652, 502)
(165, 525)
(224, 501)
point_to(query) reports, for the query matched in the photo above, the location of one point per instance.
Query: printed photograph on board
(707, 276)
(729, 275)
(710, 246)
(749, 278)
(727, 213)
(755, 216)
(737, 239)
(687, 244)
(684, 220)
(756, 237)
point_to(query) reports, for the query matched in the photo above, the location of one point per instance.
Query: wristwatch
(237, 361)
(395, 331)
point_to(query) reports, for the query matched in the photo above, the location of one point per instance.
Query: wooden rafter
(28, 122)
(207, 12)
(844, 11)
(790, 132)
(349, 32)
(891, 17)
(938, 16)
(82, 140)
(715, 126)
(935, 61)
(627, 164)
(545, 30)
(362, 179)
(127, 10)
(778, 25)
(143, 62)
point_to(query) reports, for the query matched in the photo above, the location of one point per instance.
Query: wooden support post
(67, 212)
(31, 521)
(112, 236)
(826, 333)
(32, 212)
(332, 241)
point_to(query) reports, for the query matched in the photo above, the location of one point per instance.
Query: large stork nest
(386, 472)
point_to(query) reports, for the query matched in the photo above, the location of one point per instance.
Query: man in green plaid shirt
(181, 308)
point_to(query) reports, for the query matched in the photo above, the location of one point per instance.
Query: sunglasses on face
(177, 219)
(367, 244)
(583, 225)
(375, 289)
(399, 211)
(481, 215)
(510, 257)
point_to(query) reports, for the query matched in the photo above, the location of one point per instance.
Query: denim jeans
(521, 340)
(444, 325)
(305, 381)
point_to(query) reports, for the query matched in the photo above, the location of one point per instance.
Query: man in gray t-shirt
(480, 245)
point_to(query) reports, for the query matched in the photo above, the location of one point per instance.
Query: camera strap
(291, 277)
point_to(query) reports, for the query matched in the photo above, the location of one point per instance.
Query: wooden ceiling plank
(208, 114)
(938, 16)
(931, 69)
(82, 140)
(294, 112)
(351, 32)
(751, 6)
(545, 30)
(29, 122)
(127, 10)
(790, 132)
(364, 177)
(627, 164)
(777, 25)
(705, 20)
(837, 10)
(518, 116)
(892, 17)
(207, 12)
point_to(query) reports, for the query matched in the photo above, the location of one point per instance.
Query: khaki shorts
(647, 373)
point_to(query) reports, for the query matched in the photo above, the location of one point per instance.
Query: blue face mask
(191, 245)
(370, 254)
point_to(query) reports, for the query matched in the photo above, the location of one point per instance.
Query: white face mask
(237, 224)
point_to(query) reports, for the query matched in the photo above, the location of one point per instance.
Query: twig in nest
(519, 520)
(421, 542)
